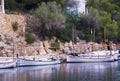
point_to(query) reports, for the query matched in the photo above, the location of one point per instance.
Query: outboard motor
(119, 51)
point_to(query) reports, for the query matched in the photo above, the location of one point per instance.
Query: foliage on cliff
(109, 15)
(50, 19)
(102, 22)
(26, 5)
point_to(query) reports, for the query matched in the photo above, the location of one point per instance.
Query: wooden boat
(10, 64)
(98, 56)
(88, 59)
(30, 62)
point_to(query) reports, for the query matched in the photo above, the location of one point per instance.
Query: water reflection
(65, 72)
(92, 71)
(34, 73)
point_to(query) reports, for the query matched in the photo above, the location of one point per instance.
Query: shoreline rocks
(9, 44)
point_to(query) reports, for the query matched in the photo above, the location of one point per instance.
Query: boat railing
(95, 57)
(6, 59)
(92, 55)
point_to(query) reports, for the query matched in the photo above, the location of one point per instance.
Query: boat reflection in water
(38, 73)
(106, 71)
(33, 73)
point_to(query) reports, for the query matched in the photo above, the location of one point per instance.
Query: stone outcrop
(6, 22)
(8, 36)
(83, 47)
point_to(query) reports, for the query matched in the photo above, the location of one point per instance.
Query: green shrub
(11, 12)
(55, 45)
(29, 38)
(15, 26)
(8, 42)
(1, 48)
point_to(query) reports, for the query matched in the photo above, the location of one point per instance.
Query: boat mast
(13, 49)
(73, 39)
(104, 34)
(73, 30)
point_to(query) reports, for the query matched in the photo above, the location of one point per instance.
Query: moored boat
(30, 62)
(97, 56)
(89, 59)
(10, 64)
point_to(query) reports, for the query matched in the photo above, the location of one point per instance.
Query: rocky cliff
(6, 22)
(14, 41)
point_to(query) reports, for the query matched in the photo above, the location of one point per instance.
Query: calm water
(64, 72)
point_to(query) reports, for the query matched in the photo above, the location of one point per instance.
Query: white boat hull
(26, 62)
(83, 59)
(96, 56)
(8, 64)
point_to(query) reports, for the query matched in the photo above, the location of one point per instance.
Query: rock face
(8, 36)
(2, 22)
(14, 41)
(6, 22)
(83, 47)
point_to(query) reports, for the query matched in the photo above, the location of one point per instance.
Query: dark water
(65, 72)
